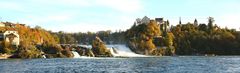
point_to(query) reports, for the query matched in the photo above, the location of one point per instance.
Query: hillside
(33, 42)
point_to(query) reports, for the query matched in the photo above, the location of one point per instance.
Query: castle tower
(195, 22)
(180, 21)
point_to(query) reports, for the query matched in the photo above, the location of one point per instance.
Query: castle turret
(180, 21)
(195, 22)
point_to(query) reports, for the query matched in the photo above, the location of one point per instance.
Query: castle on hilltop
(163, 25)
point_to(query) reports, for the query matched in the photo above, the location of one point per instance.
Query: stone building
(10, 36)
(2, 25)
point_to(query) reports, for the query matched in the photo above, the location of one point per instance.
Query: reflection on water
(187, 64)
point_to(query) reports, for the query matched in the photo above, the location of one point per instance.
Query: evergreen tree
(210, 23)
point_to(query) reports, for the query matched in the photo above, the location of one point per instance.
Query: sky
(98, 15)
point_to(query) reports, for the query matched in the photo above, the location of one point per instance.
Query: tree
(210, 23)
(169, 39)
(140, 37)
(203, 27)
(152, 29)
(27, 50)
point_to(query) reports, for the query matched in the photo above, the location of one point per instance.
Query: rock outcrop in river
(99, 49)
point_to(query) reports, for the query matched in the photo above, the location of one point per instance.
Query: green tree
(169, 39)
(210, 23)
(140, 37)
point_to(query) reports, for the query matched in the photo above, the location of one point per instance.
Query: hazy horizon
(97, 15)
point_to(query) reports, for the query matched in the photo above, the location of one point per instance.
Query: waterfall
(75, 54)
(44, 56)
(122, 51)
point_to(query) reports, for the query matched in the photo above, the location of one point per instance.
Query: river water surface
(181, 64)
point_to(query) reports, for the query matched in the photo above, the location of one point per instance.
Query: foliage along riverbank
(146, 38)
(191, 38)
(37, 43)
(34, 42)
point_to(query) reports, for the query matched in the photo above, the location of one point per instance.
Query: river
(181, 64)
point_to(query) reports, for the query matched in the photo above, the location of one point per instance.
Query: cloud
(75, 2)
(230, 20)
(125, 22)
(76, 27)
(47, 19)
(71, 3)
(118, 22)
(127, 6)
(11, 6)
(74, 15)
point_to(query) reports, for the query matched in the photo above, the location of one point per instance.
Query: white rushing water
(122, 51)
(44, 56)
(119, 50)
(75, 54)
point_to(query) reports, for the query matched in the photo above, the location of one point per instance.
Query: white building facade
(10, 36)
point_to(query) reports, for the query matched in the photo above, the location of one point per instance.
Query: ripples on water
(187, 64)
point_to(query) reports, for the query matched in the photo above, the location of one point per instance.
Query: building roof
(11, 35)
(10, 29)
(159, 19)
